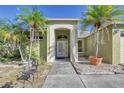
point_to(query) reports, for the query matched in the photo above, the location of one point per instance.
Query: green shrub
(4, 60)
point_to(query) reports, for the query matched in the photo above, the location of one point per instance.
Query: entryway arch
(62, 43)
(70, 25)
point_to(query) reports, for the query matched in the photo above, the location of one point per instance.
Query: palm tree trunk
(31, 41)
(22, 58)
(39, 45)
(97, 42)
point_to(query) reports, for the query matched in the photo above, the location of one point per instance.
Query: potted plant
(94, 17)
(95, 60)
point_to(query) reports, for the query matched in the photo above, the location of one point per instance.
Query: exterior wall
(105, 48)
(52, 26)
(116, 43)
(80, 54)
(40, 48)
(110, 51)
(43, 48)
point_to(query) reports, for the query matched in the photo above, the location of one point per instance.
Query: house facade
(64, 41)
(111, 46)
(61, 40)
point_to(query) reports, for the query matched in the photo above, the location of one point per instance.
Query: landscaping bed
(84, 67)
(8, 74)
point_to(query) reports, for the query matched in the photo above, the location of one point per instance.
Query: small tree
(13, 36)
(34, 21)
(96, 15)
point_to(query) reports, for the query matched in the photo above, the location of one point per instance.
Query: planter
(95, 60)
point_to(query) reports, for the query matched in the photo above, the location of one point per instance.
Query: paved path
(103, 81)
(62, 75)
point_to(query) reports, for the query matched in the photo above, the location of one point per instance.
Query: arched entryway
(62, 43)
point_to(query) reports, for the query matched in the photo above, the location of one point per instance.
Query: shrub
(4, 60)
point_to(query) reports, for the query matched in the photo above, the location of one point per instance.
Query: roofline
(63, 19)
(105, 25)
(111, 23)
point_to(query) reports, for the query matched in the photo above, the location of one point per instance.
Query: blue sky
(50, 11)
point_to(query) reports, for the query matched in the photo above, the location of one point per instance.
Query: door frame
(57, 49)
(121, 47)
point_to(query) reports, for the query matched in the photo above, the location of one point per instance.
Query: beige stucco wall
(105, 49)
(39, 47)
(80, 54)
(52, 26)
(110, 51)
(43, 48)
(116, 43)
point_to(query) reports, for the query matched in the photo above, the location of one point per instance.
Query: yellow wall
(116, 43)
(105, 49)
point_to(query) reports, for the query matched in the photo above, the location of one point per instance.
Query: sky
(50, 11)
(9, 12)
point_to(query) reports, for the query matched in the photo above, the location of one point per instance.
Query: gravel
(87, 68)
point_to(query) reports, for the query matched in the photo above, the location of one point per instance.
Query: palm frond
(99, 14)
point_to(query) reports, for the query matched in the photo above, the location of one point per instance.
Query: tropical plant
(34, 21)
(96, 15)
(12, 37)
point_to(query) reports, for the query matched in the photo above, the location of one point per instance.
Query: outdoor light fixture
(62, 37)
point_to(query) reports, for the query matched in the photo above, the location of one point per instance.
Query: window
(122, 34)
(40, 37)
(80, 46)
(62, 37)
(36, 37)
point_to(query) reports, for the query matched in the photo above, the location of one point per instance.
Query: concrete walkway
(62, 75)
(103, 81)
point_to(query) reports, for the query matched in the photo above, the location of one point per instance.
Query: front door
(62, 49)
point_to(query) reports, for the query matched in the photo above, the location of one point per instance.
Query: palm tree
(34, 21)
(96, 15)
(20, 39)
(13, 35)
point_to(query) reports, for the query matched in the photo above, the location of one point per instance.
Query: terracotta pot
(95, 60)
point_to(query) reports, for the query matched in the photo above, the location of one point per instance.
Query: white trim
(63, 19)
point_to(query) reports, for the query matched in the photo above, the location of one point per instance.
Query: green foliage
(4, 60)
(10, 56)
(34, 55)
(33, 18)
(98, 14)
(15, 35)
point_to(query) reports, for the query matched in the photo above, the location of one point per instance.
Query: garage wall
(105, 50)
(116, 43)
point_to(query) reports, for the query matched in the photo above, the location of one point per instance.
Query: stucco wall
(40, 48)
(116, 43)
(43, 48)
(80, 54)
(52, 26)
(105, 48)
